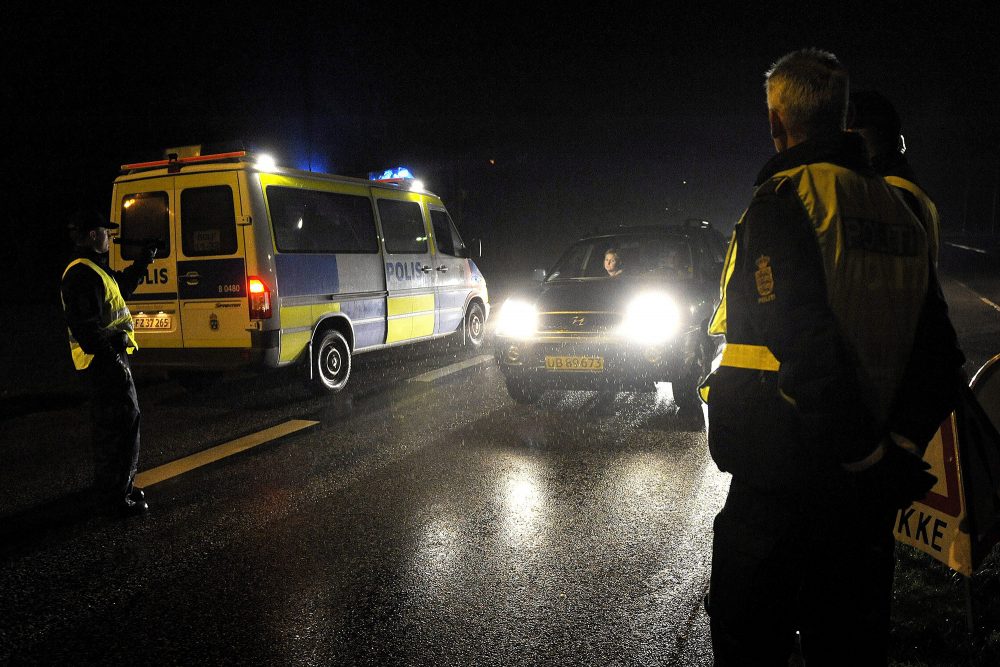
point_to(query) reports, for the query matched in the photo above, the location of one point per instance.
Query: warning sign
(937, 524)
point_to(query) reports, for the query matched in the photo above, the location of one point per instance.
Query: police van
(260, 266)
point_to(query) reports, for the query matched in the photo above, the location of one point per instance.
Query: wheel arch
(337, 321)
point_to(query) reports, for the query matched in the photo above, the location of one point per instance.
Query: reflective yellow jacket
(114, 315)
(822, 291)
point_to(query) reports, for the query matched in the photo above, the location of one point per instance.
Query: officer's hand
(898, 479)
(148, 253)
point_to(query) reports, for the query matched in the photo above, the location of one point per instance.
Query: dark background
(534, 125)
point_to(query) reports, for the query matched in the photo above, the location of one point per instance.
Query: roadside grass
(930, 617)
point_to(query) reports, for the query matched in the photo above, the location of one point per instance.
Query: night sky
(534, 125)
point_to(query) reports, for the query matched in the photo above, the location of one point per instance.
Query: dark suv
(618, 311)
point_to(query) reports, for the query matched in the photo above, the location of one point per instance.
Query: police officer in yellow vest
(101, 338)
(840, 363)
(874, 117)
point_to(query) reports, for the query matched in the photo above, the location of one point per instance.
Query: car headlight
(518, 319)
(651, 318)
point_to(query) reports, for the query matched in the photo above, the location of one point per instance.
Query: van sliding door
(409, 275)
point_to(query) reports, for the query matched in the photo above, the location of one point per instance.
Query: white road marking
(189, 463)
(980, 296)
(453, 368)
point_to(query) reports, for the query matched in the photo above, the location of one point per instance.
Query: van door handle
(191, 277)
(442, 269)
(426, 269)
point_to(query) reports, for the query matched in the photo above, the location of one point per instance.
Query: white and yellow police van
(263, 266)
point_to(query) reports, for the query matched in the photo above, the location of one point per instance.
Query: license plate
(151, 322)
(577, 363)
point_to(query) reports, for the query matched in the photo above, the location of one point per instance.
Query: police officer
(875, 118)
(840, 363)
(101, 338)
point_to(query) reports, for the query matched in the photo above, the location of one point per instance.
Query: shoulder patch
(765, 280)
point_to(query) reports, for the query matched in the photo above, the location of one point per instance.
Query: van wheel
(475, 325)
(331, 363)
(523, 392)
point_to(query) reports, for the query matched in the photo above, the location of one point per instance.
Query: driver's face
(610, 262)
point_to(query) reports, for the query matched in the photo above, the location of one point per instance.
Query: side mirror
(475, 248)
(538, 275)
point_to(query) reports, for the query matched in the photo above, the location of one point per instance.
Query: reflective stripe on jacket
(115, 315)
(927, 213)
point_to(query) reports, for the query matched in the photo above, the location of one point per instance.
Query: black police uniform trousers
(782, 564)
(115, 426)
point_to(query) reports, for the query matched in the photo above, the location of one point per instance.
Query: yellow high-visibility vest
(115, 316)
(874, 254)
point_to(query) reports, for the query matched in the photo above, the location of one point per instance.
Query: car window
(637, 255)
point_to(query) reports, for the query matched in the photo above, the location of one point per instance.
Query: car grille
(577, 323)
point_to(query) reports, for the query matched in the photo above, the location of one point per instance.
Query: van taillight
(260, 299)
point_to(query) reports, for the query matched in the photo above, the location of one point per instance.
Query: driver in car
(613, 263)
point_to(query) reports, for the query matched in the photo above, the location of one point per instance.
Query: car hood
(600, 294)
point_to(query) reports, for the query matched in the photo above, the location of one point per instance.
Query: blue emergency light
(399, 173)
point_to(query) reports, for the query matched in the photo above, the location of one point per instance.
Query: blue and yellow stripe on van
(410, 316)
(300, 316)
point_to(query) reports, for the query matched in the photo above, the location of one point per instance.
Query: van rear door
(211, 261)
(144, 209)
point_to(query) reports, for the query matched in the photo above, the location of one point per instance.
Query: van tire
(475, 325)
(331, 363)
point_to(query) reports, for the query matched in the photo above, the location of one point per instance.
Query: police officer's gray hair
(809, 87)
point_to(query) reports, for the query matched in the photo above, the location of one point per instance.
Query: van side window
(446, 235)
(403, 226)
(208, 221)
(321, 222)
(145, 215)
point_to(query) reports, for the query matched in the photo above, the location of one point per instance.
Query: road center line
(188, 463)
(430, 376)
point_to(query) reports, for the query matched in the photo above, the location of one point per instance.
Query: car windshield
(609, 257)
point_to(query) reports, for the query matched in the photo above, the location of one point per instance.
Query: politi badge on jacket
(765, 280)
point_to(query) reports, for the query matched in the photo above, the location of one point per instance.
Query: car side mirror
(538, 275)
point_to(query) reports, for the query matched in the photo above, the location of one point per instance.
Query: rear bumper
(262, 353)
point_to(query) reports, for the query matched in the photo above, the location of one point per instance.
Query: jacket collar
(842, 148)
(101, 259)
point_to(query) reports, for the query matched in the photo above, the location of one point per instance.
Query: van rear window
(208, 221)
(308, 221)
(145, 216)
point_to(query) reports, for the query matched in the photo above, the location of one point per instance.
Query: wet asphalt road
(418, 522)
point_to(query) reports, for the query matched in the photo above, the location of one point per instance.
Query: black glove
(898, 479)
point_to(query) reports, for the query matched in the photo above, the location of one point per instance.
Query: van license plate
(592, 364)
(151, 322)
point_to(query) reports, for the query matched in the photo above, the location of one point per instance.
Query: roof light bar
(193, 159)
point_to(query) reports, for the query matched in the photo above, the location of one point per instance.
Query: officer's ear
(774, 120)
(779, 133)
